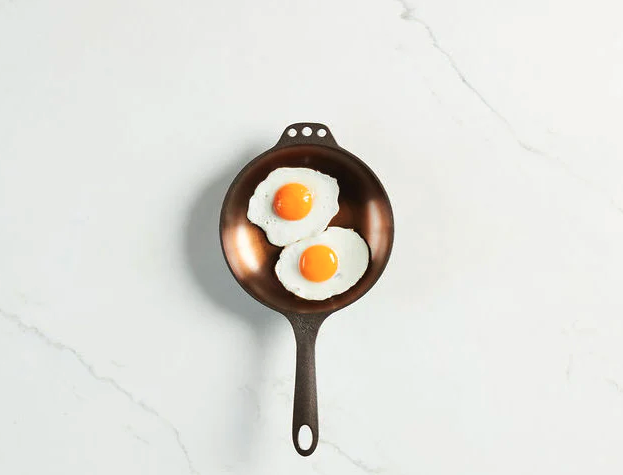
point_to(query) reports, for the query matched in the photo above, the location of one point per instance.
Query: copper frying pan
(364, 207)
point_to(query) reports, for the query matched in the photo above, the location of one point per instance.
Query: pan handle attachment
(306, 133)
(305, 397)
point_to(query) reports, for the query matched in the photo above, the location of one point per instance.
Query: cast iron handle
(305, 397)
(317, 134)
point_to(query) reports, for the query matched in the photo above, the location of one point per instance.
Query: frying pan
(364, 207)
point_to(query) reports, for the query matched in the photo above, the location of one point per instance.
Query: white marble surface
(494, 342)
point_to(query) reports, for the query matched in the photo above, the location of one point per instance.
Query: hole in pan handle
(306, 133)
(305, 413)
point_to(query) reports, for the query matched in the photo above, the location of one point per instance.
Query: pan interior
(364, 207)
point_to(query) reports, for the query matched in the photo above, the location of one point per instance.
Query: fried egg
(293, 203)
(321, 266)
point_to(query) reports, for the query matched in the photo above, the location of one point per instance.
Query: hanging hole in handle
(321, 132)
(305, 437)
(307, 131)
(292, 132)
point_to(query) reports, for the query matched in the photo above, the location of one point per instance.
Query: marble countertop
(493, 342)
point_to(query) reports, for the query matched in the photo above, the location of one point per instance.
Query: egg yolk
(318, 263)
(292, 201)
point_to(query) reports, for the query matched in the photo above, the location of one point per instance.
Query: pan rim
(391, 229)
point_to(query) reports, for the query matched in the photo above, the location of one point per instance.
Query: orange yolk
(318, 263)
(292, 201)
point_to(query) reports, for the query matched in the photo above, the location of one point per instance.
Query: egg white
(281, 232)
(353, 257)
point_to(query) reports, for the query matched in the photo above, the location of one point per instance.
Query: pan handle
(306, 133)
(305, 397)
